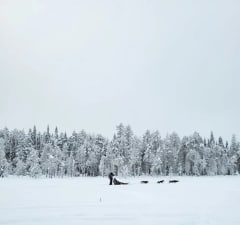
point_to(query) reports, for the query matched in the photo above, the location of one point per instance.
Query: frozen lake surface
(192, 201)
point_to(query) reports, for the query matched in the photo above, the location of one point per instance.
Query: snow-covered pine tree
(182, 155)
(3, 160)
(135, 157)
(70, 164)
(147, 153)
(33, 163)
(125, 154)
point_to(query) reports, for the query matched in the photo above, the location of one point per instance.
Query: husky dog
(144, 182)
(160, 181)
(173, 181)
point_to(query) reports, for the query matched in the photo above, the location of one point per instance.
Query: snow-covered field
(192, 201)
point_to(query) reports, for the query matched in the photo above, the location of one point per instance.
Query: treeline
(82, 154)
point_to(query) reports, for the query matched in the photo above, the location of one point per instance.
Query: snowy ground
(84, 201)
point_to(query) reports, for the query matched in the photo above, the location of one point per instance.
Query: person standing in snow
(110, 176)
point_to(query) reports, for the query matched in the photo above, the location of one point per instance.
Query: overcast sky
(166, 65)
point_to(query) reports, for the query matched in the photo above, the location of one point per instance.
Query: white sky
(166, 65)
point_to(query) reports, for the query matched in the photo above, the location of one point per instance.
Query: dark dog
(160, 181)
(173, 181)
(144, 182)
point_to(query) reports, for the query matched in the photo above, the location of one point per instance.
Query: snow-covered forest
(82, 154)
